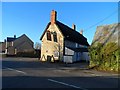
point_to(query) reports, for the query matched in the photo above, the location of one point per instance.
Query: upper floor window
(48, 35)
(77, 45)
(55, 37)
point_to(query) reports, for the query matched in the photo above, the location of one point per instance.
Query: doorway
(48, 58)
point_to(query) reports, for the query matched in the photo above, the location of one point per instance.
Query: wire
(101, 20)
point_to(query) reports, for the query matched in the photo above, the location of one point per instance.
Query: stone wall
(51, 48)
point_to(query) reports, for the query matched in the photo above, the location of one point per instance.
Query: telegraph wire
(101, 20)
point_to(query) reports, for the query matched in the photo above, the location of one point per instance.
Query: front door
(48, 58)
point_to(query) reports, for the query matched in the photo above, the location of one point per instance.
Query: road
(31, 73)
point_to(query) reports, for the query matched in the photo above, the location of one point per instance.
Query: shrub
(105, 57)
(32, 54)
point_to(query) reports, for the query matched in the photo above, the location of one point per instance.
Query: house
(13, 45)
(2, 47)
(60, 42)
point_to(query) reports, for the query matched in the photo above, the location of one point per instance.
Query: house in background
(60, 42)
(13, 45)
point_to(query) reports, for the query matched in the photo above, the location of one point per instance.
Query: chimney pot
(14, 36)
(81, 32)
(74, 27)
(53, 16)
(4, 40)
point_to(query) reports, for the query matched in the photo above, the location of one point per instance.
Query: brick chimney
(81, 32)
(74, 27)
(53, 16)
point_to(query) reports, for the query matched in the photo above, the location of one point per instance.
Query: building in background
(15, 46)
(106, 34)
(60, 42)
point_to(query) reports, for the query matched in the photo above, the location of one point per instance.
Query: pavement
(31, 73)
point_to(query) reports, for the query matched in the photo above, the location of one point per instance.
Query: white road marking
(15, 70)
(66, 84)
(95, 74)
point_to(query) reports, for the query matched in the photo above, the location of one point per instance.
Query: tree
(58, 51)
(37, 45)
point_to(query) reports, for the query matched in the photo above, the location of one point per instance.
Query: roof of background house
(24, 35)
(20, 39)
(69, 34)
(10, 39)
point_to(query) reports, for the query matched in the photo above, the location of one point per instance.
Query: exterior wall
(76, 56)
(85, 56)
(9, 44)
(2, 47)
(5, 45)
(68, 51)
(25, 47)
(69, 55)
(50, 47)
(23, 44)
(11, 51)
(68, 59)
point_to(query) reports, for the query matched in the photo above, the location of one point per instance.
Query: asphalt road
(31, 73)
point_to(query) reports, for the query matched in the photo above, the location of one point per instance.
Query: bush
(105, 57)
(28, 54)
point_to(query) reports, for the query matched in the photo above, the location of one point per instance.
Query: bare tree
(37, 45)
(58, 50)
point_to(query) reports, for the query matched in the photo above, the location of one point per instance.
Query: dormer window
(48, 35)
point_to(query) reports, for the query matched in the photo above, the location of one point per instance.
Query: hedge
(105, 57)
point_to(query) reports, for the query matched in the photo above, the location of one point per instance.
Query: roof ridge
(71, 28)
(69, 33)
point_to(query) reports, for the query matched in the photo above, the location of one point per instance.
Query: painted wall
(68, 51)
(85, 56)
(68, 59)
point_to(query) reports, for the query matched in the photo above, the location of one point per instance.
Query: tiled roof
(69, 34)
(10, 39)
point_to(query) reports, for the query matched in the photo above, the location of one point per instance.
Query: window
(56, 53)
(48, 35)
(77, 45)
(55, 36)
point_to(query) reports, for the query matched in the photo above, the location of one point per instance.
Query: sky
(31, 18)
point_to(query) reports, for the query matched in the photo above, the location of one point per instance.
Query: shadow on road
(43, 82)
(36, 77)
(39, 64)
